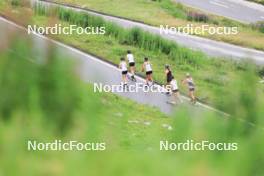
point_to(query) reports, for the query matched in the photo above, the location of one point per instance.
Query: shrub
(199, 17)
(15, 2)
(261, 72)
(259, 26)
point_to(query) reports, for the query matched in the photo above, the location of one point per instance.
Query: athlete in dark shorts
(123, 67)
(169, 78)
(176, 97)
(131, 62)
(168, 73)
(191, 86)
(148, 69)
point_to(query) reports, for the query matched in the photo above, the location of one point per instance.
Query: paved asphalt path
(240, 10)
(210, 47)
(92, 69)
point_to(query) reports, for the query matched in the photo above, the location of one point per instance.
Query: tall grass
(135, 36)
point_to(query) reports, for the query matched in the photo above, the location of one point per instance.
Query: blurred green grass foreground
(47, 101)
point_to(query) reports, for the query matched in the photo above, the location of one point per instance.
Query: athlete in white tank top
(130, 58)
(176, 97)
(131, 61)
(123, 66)
(174, 85)
(148, 67)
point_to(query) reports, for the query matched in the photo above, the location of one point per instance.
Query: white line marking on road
(218, 4)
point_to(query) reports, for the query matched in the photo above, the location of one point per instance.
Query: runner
(147, 68)
(176, 97)
(169, 78)
(131, 62)
(123, 67)
(189, 82)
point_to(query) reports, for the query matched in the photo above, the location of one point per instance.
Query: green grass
(37, 95)
(213, 76)
(169, 13)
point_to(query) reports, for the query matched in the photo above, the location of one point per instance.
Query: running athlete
(189, 82)
(131, 62)
(176, 97)
(169, 77)
(123, 67)
(147, 68)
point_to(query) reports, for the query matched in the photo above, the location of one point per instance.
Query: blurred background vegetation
(46, 100)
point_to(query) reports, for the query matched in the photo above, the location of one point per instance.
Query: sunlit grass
(168, 13)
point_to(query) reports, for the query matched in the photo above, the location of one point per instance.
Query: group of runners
(171, 82)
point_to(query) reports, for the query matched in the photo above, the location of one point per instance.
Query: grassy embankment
(168, 13)
(47, 101)
(211, 75)
(258, 1)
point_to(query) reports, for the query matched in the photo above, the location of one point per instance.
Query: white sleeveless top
(148, 67)
(123, 66)
(130, 58)
(174, 85)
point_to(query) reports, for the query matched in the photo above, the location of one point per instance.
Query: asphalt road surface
(240, 10)
(210, 47)
(92, 69)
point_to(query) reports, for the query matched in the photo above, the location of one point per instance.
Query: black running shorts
(148, 72)
(131, 64)
(175, 91)
(191, 89)
(124, 72)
